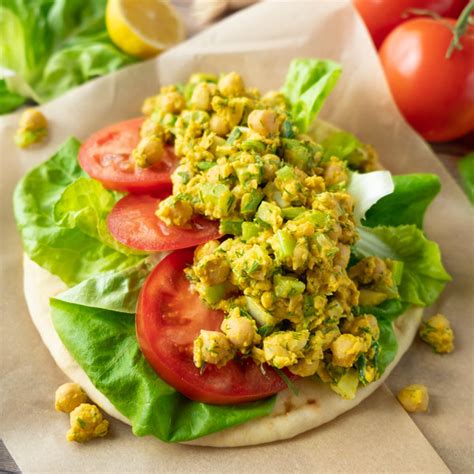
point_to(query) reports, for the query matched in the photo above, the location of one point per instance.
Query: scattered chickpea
(414, 398)
(33, 128)
(68, 397)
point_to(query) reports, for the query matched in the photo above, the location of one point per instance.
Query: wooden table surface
(449, 153)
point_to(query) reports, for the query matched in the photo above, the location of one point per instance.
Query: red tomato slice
(133, 222)
(169, 318)
(106, 156)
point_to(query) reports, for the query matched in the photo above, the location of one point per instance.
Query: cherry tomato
(382, 16)
(133, 222)
(169, 318)
(435, 94)
(106, 156)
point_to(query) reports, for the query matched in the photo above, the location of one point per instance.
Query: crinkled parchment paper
(378, 435)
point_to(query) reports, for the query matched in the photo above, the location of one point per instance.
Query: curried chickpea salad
(281, 272)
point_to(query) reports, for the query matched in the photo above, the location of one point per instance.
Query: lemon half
(143, 28)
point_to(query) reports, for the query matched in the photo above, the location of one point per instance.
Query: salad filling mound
(291, 254)
(281, 273)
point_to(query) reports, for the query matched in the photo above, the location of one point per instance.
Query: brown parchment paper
(378, 435)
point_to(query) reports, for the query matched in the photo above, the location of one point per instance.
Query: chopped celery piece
(234, 135)
(296, 153)
(286, 173)
(213, 294)
(250, 202)
(292, 212)
(287, 286)
(219, 196)
(285, 244)
(346, 387)
(261, 316)
(249, 230)
(253, 145)
(269, 213)
(317, 218)
(231, 226)
(206, 165)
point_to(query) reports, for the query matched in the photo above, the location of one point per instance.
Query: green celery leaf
(307, 85)
(105, 346)
(466, 171)
(68, 252)
(55, 45)
(407, 204)
(9, 101)
(424, 276)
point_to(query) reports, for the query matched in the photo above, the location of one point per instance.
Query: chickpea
(33, 119)
(264, 122)
(267, 299)
(151, 128)
(241, 332)
(414, 398)
(87, 423)
(201, 98)
(231, 85)
(148, 151)
(68, 397)
(172, 102)
(219, 126)
(149, 105)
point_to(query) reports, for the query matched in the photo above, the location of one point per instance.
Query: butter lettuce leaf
(407, 204)
(368, 189)
(9, 101)
(424, 276)
(115, 290)
(104, 344)
(55, 45)
(69, 251)
(85, 205)
(307, 85)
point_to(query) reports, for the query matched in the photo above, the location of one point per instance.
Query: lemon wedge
(143, 28)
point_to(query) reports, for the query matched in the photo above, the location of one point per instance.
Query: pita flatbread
(293, 414)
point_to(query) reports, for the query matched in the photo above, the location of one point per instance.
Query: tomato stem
(460, 29)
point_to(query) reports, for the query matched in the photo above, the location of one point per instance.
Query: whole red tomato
(434, 93)
(382, 16)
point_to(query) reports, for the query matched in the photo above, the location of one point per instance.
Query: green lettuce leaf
(85, 205)
(424, 276)
(105, 346)
(368, 189)
(9, 100)
(68, 252)
(466, 171)
(307, 85)
(388, 309)
(407, 204)
(388, 345)
(113, 290)
(55, 45)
